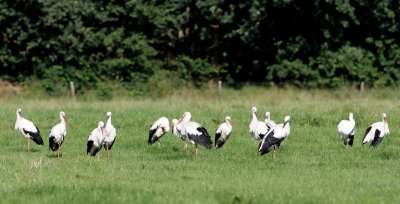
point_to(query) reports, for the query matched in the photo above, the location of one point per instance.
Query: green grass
(311, 167)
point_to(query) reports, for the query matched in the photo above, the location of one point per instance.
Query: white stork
(376, 132)
(258, 129)
(58, 134)
(274, 137)
(270, 123)
(110, 135)
(96, 140)
(158, 129)
(194, 132)
(345, 130)
(176, 130)
(28, 129)
(222, 132)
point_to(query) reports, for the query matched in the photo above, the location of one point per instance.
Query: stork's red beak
(107, 117)
(65, 118)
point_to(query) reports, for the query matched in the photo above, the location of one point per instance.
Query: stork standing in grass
(376, 132)
(194, 132)
(158, 129)
(110, 134)
(345, 130)
(274, 137)
(28, 129)
(258, 129)
(176, 130)
(57, 134)
(270, 123)
(223, 132)
(96, 140)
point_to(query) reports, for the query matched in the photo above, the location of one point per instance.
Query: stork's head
(62, 115)
(351, 116)
(174, 122)
(19, 112)
(228, 120)
(100, 127)
(185, 117)
(384, 117)
(286, 120)
(108, 115)
(267, 115)
(254, 111)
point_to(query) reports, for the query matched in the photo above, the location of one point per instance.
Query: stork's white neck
(18, 121)
(227, 122)
(254, 116)
(62, 120)
(109, 121)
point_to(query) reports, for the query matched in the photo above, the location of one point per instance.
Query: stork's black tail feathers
(351, 139)
(53, 145)
(204, 139)
(91, 149)
(35, 136)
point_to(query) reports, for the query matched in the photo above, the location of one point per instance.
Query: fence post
(362, 86)
(72, 86)
(219, 86)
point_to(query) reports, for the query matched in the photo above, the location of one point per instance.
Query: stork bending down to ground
(194, 132)
(158, 129)
(176, 130)
(110, 134)
(275, 136)
(96, 140)
(28, 129)
(376, 132)
(58, 134)
(345, 130)
(222, 132)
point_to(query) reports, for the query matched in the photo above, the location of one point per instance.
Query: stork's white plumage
(28, 129)
(376, 132)
(58, 134)
(176, 130)
(223, 132)
(194, 132)
(345, 130)
(274, 137)
(110, 134)
(96, 140)
(270, 123)
(258, 129)
(158, 129)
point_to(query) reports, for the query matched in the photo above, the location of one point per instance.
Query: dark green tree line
(320, 43)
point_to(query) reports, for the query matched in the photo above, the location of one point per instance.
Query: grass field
(311, 166)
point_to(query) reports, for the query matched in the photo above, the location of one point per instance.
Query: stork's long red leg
(185, 146)
(59, 147)
(196, 151)
(108, 151)
(29, 144)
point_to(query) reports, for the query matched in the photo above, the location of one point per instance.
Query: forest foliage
(144, 43)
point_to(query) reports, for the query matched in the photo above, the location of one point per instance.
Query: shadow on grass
(24, 150)
(50, 155)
